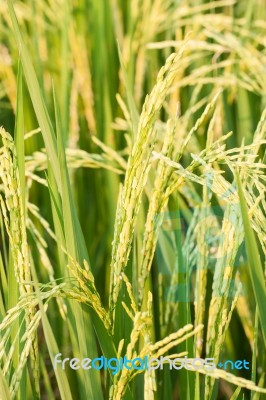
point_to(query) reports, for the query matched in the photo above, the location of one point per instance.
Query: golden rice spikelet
(137, 174)
(12, 208)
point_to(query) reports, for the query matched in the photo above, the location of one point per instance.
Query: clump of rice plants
(132, 200)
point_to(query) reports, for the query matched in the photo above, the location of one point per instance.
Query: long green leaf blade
(255, 265)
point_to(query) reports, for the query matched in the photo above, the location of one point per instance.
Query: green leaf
(60, 374)
(36, 96)
(236, 394)
(75, 245)
(254, 264)
(130, 99)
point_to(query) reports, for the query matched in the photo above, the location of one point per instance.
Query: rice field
(132, 199)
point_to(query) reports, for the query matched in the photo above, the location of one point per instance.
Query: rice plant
(132, 199)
